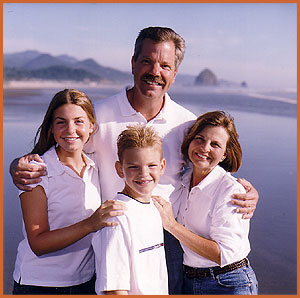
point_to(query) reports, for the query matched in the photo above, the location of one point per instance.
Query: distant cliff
(35, 65)
(208, 78)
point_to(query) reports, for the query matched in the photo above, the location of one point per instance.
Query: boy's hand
(247, 201)
(23, 172)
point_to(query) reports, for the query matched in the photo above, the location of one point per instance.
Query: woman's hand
(108, 209)
(247, 201)
(165, 209)
(204, 247)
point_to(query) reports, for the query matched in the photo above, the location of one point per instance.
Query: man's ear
(119, 169)
(175, 74)
(132, 65)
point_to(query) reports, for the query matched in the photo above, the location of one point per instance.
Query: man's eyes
(166, 66)
(145, 61)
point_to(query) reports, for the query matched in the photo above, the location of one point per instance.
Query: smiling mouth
(201, 156)
(152, 80)
(70, 139)
(143, 182)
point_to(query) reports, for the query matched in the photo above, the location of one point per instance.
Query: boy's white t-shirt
(131, 255)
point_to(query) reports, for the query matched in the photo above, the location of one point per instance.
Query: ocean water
(267, 125)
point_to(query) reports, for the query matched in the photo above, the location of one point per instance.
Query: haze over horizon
(252, 42)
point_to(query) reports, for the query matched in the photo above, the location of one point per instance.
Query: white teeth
(152, 83)
(202, 156)
(143, 182)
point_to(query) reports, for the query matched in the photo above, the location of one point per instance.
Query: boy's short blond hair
(138, 136)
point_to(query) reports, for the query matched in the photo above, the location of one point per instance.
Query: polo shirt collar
(125, 107)
(164, 112)
(210, 178)
(56, 168)
(127, 110)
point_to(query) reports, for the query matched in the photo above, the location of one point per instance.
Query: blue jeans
(241, 281)
(174, 258)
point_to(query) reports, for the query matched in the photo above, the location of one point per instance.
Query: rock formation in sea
(244, 84)
(206, 78)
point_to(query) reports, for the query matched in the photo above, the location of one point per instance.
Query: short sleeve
(43, 183)
(112, 257)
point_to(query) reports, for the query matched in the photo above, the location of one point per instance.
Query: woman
(214, 238)
(63, 210)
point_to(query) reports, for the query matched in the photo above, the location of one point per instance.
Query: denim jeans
(174, 258)
(87, 288)
(241, 281)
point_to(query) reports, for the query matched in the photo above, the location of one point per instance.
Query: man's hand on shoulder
(247, 202)
(23, 172)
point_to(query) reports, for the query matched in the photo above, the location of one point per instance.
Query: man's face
(154, 70)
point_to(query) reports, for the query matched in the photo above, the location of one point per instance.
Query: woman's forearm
(206, 248)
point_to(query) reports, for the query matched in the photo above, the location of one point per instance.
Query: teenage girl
(64, 209)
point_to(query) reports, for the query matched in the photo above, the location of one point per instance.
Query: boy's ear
(119, 169)
(162, 166)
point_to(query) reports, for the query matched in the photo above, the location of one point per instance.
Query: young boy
(130, 257)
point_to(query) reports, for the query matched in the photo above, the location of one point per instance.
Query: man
(157, 55)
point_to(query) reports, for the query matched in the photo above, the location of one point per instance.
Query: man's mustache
(154, 79)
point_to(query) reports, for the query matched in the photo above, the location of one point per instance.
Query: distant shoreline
(40, 84)
(13, 87)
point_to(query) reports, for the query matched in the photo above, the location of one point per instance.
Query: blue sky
(254, 42)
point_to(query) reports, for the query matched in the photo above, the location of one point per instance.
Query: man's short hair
(161, 34)
(138, 136)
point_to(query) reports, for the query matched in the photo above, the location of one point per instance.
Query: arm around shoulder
(246, 202)
(24, 173)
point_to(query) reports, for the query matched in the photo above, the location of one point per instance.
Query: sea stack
(206, 78)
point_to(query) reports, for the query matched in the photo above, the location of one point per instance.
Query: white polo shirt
(206, 210)
(113, 115)
(70, 199)
(131, 255)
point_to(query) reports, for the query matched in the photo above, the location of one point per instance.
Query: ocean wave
(287, 95)
(272, 97)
